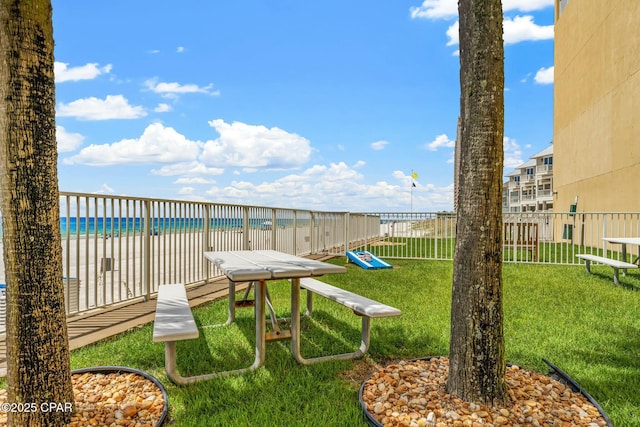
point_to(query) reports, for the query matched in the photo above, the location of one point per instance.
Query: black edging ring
(559, 375)
(562, 376)
(119, 369)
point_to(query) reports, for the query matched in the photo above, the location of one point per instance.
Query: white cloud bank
(64, 73)
(110, 108)
(447, 9)
(173, 89)
(239, 144)
(516, 29)
(158, 144)
(251, 147)
(67, 141)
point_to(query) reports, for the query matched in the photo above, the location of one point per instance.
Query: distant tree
(477, 365)
(38, 367)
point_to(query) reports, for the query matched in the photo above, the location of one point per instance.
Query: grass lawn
(583, 323)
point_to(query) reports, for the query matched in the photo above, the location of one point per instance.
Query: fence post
(245, 230)
(347, 219)
(295, 232)
(207, 240)
(146, 251)
(274, 229)
(312, 236)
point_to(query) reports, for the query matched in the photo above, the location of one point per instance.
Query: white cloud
(180, 49)
(312, 188)
(185, 191)
(441, 141)
(163, 108)
(158, 144)
(173, 89)
(187, 168)
(522, 28)
(544, 76)
(512, 153)
(435, 9)
(104, 189)
(446, 9)
(453, 32)
(64, 73)
(112, 107)
(515, 30)
(359, 164)
(379, 145)
(249, 146)
(193, 180)
(67, 141)
(526, 5)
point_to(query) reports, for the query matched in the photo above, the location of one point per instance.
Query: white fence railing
(116, 249)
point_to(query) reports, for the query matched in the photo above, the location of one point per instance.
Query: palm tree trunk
(38, 367)
(477, 366)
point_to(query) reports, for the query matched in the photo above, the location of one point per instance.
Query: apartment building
(529, 188)
(596, 109)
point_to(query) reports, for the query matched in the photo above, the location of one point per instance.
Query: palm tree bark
(38, 367)
(477, 364)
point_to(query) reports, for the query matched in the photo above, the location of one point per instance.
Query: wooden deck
(103, 323)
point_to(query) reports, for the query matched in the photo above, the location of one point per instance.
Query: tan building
(597, 105)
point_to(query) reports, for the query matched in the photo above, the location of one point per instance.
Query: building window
(529, 171)
(548, 160)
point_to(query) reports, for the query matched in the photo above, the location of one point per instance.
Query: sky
(329, 106)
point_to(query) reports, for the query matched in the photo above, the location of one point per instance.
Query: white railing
(117, 249)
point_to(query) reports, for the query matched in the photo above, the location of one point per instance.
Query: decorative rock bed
(114, 396)
(412, 393)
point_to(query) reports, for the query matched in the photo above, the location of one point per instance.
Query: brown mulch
(412, 393)
(109, 399)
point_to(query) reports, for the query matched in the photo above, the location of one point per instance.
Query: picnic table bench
(173, 322)
(588, 258)
(361, 306)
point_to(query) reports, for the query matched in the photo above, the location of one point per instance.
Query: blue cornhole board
(367, 260)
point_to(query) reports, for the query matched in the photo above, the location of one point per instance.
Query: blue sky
(310, 105)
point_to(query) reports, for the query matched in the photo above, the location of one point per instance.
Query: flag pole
(414, 175)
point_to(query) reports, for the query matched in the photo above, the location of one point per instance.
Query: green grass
(583, 323)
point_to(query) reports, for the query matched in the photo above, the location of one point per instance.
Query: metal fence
(532, 237)
(117, 249)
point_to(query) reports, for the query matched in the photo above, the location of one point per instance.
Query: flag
(414, 175)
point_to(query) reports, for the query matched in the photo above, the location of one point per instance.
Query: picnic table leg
(260, 296)
(295, 332)
(615, 276)
(624, 258)
(170, 358)
(295, 317)
(587, 265)
(232, 303)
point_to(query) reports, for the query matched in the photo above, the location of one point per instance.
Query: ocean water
(114, 226)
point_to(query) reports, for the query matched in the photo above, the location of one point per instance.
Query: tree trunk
(38, 368)
(477, 365)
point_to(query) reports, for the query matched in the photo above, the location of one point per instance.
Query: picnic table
(174, 320)
(624, 241)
